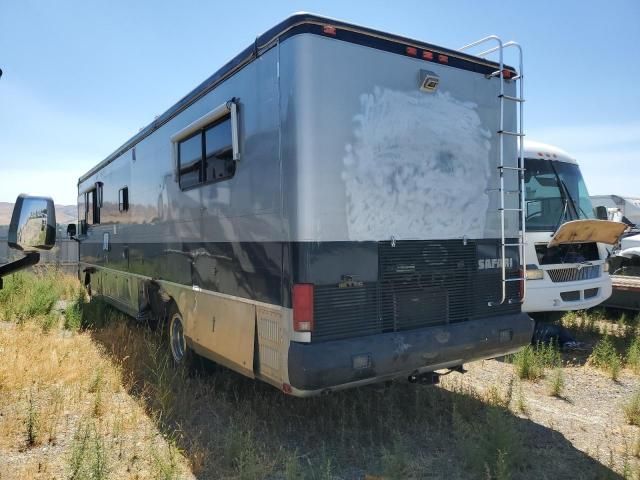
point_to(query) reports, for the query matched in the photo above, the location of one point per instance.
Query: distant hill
(64, 213)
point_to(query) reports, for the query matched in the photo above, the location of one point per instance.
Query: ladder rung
(505, 191)
(509, 97)
(504, 167)
(510, 209)
(506, 132)
(513, 244)
(519, 279)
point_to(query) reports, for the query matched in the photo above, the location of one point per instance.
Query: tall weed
(606, 357)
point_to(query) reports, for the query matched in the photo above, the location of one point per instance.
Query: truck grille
(420, 284)
(573, 274)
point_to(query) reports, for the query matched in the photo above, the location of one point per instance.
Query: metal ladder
(502, 168)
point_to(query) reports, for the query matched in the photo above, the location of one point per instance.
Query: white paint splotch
(418, 169)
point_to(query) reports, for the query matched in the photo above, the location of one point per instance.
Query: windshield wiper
(563, 194)
(577, 209)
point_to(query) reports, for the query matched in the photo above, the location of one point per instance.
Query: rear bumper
(317, 367)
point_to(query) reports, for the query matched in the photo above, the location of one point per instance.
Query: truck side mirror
(601, 212)
(33, 224)
(71, 230)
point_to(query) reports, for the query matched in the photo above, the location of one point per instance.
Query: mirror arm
(30, 259)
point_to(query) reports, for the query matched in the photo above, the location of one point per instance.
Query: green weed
(606, 357)
(395, 460)
(88, 458)
(556, 383)
(632, 409)
(633, 355)
(531, 361)
(490, 444)
(32, 422)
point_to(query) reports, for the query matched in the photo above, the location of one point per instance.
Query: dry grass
(63, 410)
(105, 402)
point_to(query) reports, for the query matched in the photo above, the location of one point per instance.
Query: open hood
(579, 231)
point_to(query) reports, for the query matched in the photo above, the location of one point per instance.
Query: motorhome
(566, 256)
(619, 208)
(326, 210)
(624, 262)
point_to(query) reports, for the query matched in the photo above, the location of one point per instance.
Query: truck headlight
(534, 273)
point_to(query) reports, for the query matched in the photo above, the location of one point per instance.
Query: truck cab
(561, 275)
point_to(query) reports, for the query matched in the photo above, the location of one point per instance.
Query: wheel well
(154, 299)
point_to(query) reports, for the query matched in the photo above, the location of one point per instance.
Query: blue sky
(81, 77)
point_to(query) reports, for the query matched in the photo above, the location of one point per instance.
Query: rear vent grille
(420, 284)
(573, 274)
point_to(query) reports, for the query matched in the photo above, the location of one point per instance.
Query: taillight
(303, 307)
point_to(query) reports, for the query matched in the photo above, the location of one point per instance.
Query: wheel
(180, 351)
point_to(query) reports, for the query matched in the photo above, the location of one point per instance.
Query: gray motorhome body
(320, 213)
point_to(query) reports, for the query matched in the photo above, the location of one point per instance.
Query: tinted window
(92, 211)
(123, 199)
(219, 162)
(190, 161)
(90, 206)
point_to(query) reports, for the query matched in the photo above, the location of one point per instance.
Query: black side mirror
(33, 224)
(601, 212)
(71, 230)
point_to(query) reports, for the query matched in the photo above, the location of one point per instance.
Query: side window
(190, 161)
(219, 163)
(208, 148)
(92, 209)
(123, 199)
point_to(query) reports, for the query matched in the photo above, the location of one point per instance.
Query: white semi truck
(566, 265)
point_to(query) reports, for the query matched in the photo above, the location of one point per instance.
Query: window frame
(123, 202)
(95, 209)
(228, 111)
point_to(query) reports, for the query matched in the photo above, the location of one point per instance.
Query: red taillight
(303, 307)
(413, 51)
(427, 55)
(443, 59)
(507, 73)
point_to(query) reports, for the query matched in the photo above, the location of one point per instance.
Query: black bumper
(324, 365)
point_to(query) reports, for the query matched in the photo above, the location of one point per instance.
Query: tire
(181, 354)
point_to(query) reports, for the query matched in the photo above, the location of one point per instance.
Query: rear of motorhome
(326, 210)
(566, 257)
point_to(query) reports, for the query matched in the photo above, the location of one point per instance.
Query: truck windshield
(555, 193)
